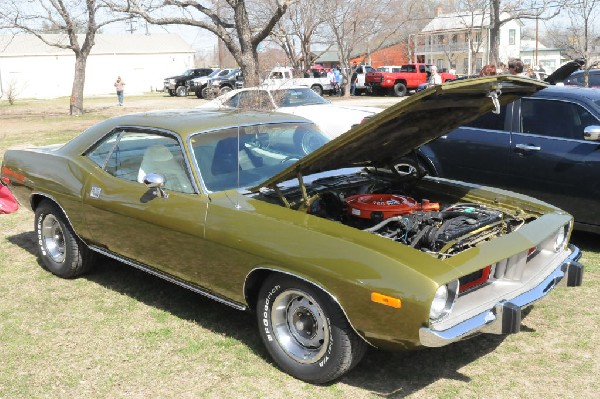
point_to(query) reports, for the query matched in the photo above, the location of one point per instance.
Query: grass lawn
(120, 333)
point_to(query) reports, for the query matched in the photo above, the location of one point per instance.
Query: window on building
(512, 33)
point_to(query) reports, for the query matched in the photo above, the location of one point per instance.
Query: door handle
(526, 147)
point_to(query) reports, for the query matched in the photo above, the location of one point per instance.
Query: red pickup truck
(398, 83)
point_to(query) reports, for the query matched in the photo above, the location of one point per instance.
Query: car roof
(184, 122)
(592, 72)
(571, 92)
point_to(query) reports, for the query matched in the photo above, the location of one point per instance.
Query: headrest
(158, 152)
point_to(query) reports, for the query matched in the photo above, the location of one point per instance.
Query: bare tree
(576, 37)
(356, 23)
(474, 20)
(503, 12)
(74, 24)
(232, 21)
(298, 30)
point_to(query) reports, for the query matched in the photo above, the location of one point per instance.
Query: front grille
(475, 279)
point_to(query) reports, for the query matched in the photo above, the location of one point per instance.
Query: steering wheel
(290, 157)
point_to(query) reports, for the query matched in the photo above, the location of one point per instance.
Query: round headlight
(561, 238)
(443, 301)
(439, 302)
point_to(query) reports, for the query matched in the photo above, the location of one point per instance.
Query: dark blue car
(546, 146)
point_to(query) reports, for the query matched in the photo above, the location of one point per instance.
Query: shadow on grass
(385, 374)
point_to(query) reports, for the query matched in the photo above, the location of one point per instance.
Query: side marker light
(386, 300)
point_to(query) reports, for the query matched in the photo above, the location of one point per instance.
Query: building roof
(457, 21)
(155, 43)
(529, 45)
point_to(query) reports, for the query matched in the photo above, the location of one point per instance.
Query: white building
(548, 58)
(36, 70)
(463, 39)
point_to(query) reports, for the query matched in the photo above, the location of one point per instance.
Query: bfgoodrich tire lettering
(62, 253)
(305, 332)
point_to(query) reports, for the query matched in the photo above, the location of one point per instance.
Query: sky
(199, 39)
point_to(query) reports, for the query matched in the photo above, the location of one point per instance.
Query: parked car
(578, 79)
(196, 85)
(175, 85)
(331, 248)
(545, 146)
(333, 119)
(223, 83)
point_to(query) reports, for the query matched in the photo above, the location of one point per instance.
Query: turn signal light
(386, 300)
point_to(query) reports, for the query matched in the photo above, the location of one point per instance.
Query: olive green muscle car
(336, 246)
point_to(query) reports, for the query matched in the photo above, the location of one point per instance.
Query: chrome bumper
(505, 317)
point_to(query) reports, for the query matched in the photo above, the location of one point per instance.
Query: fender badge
(95, 192)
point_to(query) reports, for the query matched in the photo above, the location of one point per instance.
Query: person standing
(353, 80)
(338, 80)
(435, 78)
(515, 67)
(119, 86)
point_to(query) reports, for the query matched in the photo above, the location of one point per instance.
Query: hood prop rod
(493, 94)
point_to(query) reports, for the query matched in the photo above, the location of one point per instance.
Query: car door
(550, 159)
(476, 152)
(127, 218)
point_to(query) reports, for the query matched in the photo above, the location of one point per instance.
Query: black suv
(175, 85)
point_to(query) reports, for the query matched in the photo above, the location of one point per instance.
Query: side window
(554, 118)
(490, 121)
(131, 155)
(234, 102)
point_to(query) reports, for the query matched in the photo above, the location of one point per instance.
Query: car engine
(378, 207)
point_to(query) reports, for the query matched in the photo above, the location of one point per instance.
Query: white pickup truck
(284, 76)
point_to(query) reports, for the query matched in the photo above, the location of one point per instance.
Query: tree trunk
(248, 62)
(78, 84)
(495, 32)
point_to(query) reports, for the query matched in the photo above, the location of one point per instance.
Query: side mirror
(154, 180)
(592, 133)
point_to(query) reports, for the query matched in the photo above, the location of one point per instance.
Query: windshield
(296, 97)
(245, 156)
(189, 72)
(214, 73)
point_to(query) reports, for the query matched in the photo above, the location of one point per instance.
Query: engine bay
(399, 211)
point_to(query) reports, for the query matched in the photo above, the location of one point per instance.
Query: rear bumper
(505, 316)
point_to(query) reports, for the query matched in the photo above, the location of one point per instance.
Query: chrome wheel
(299, 326)
(53, 238)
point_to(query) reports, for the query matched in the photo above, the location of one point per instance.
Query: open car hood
(409, 124)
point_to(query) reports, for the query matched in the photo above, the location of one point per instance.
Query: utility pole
(131, 29)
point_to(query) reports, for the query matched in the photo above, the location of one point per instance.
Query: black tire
(199, 92)
(172, 93)
(224, 90)
(305, 332)
(208, 93)
(181, 91)
(62, 253)
(399, 90)
(317, 89)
